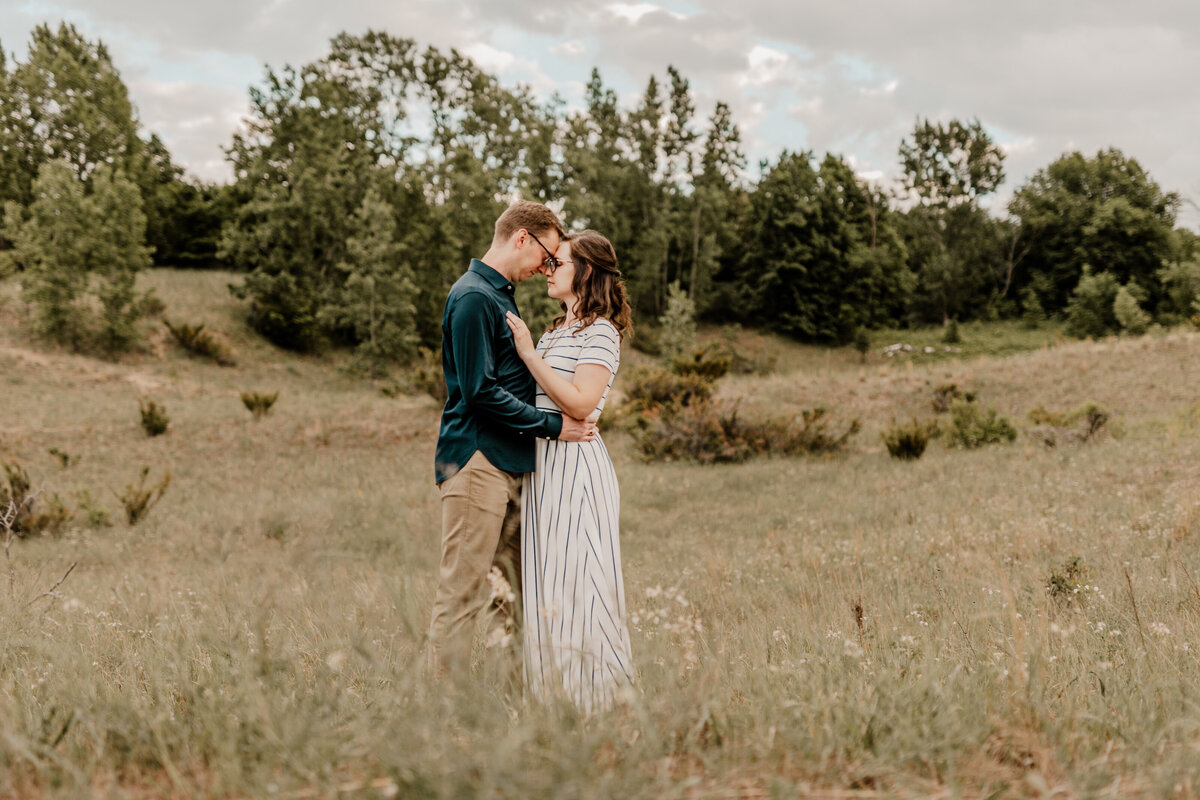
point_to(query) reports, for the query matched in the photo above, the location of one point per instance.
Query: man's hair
(533, 217)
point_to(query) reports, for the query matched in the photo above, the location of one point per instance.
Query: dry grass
(853, 627)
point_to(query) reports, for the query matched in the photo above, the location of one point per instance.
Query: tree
(950, 164)
(67, 101)
(50, 245)
(375, 304)
(956, 248)
(815, 264)
(1105, 211)
(116, 253)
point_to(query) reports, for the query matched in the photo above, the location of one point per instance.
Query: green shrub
(1126, 308)
(710, 363)
(862, 343)
(712, 433)
(138, 500)
(1078, 425)
(64, 458)
(426, 374)
(946, 394)
(1090, 309)
(259, 403)
(973, 427)
(154, 418)
(649, 389)
(24, 509)
(1033, 314)
(200, 342)
(1064, 583)
(951, 334)
(677, 325)
(908, 442)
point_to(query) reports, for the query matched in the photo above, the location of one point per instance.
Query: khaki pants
(481, 529)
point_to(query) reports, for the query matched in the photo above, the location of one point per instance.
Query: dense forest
(365, 180)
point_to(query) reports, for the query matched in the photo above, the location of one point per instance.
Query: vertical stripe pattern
(575, 637)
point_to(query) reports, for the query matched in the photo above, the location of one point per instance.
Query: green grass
(261, 632)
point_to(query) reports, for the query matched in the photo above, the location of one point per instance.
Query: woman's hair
(598, 288)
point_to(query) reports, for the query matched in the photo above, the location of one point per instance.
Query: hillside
(852, 626)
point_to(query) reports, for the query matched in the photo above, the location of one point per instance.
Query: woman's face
(559, 285)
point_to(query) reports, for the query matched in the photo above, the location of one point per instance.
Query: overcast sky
(847, 77)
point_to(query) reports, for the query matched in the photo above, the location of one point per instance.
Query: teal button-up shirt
(490, 393)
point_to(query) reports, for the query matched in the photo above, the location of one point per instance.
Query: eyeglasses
(551, 262)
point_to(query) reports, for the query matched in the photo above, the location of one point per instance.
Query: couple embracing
(528, 490)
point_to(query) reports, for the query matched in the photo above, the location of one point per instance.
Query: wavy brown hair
(598, 287)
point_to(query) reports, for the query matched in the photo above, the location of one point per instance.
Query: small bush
(150, 304)
(30, 515)
(951, 334)
(154, 418)
(259, 403)
(649, 389)
(1090, 309)
(1126, 308)
(1064, 583)
(64, 458)
(677, 325)
(200, 342)
(945, 395)
(972, 427)
(1078, 425)
(426, 375)
(710, 363)
(908, 442)
(138, 500)
(712, 433)
(862, 343)
(96, 515)
(1033, 314)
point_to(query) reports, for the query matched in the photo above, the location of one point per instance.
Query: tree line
(365, 180)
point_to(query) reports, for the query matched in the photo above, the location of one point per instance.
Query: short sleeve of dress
(601, 345)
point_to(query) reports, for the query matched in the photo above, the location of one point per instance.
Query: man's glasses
(551, 263)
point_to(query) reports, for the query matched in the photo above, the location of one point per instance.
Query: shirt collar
(490, 275)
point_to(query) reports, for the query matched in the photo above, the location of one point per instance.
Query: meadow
(1013, 621)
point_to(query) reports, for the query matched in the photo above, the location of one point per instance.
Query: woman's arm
(576, 399)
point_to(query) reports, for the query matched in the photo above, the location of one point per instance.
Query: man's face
(537, 248)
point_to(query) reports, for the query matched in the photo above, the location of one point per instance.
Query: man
(489, 424)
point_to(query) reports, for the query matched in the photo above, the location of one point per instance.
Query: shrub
(1033, 314)
(1130, 316)
(951, 334)
(259, 403)
(713, 433)
(64, 458)
(677, 325)
(200, 342)
(138, 500)
(1090, 309)
(908, 442)
(710, 363)
(20, 505)
(972, 427)
(426, 374)
(946, 394)
(1078, 425)
(154, 418)
(651, 389)
(1064, 583)
(862, 343)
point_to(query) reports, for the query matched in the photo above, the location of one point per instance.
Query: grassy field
(825, 627)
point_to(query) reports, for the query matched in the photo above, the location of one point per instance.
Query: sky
(1044, 77)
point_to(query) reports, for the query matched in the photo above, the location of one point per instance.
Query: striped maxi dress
(575, 638)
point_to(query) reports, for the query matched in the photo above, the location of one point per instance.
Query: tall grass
(845, 627)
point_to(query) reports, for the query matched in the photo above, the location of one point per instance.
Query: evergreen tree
(375, 304)
(51, 245)
(116, 254)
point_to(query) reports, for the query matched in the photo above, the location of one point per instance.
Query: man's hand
(576, 430)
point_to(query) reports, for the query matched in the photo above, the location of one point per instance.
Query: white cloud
(633, 12)
(765, 66)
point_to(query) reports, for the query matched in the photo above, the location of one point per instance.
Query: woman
(576, 640)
